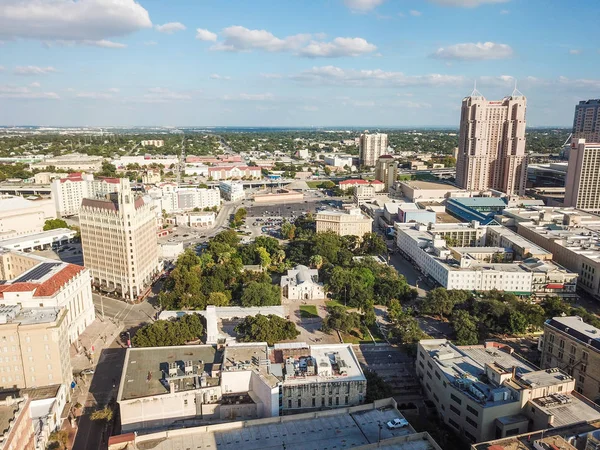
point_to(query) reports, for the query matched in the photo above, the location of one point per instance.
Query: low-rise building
(574, 346)
(482, 209)
(153, 143)
(364, 193)
(427, 190)
(234, 172)
(344, 223)
(386, 171)
(15, 424)
(166, 161)
(302, 283)
(195, 169)
(190, 198)
(191, 384)
(22, 217)
(377, 185)
(232, 191)
(32, 281)
(202, 219)
(151, 176)
(352, 427)
(37, 347)
(40, 241)
(71, 162)
(337, 160)
(411, 212)
(485, 392)
(279, 196)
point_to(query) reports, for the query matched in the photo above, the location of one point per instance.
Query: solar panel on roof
(37, 272)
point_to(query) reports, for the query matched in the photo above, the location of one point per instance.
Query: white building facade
(302, 283)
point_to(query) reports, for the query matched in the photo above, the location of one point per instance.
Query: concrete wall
(331, 394)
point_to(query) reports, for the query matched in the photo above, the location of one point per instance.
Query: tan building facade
(586, 123)
(371, 147)
(386, 171)
(342, 223)
(492, 144)
(35, 346)
(582, 187)
(21, 217)
(119, 240)
(573, 346)
(16, 425)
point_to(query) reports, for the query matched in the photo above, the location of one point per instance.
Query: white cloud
(575, 51)
(584, 83)
(251, 97)
(271, 76)
(505, 11)
(362, 5)
(35, 84)
(104, 44)
(337, 48)
(95, 95)
(205, 35)
(216, 76)
(332, 75)
(415, 13)
(150, 43)
(467, 3)
(23, 92)
(240, 39)
(1, 68)
(114, 90)
(310, 108)
(68, 20)
(34, 70)
(413, 105)
(170, 28)
(163, 95)
(474, 51)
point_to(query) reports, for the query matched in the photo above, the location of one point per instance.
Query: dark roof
(100, 204)
(574, 333)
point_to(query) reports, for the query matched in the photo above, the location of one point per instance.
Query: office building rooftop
(575, 327)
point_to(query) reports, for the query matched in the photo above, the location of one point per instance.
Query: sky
(387, 63)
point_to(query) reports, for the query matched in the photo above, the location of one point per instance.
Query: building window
(456, 399)
(454, 424)
(455, 410)
(471, 422)
(470, 436)
(330, 401)
(582, 379)
(473, 411)
(299, 403)
(290, 403)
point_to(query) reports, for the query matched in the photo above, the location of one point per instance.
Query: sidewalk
(98, 335)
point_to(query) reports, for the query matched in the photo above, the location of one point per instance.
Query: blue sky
(291, 62)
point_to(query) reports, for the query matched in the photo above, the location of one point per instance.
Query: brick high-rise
(492, 144)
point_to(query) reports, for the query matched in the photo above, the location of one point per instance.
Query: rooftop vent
(172, 369)
(189, 367)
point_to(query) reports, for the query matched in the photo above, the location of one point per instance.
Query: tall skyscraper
(492, 144)
(119, 240)
(386, 171)
(582, 188)
(586, 124)
(371, 147)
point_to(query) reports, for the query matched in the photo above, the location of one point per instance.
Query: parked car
(89, 371)
(397, 423)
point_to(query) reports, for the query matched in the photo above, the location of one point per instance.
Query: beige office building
(386, 171)
(119, 239)
(492, 144)
(574, 346)
(21, 217)
(485, 392)
(371, 147)
(35, 347)
(586, 123)
(582, 188)
(344, 223)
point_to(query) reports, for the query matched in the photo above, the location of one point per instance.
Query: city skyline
(323, 63)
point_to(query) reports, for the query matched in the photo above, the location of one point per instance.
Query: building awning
(555, 286)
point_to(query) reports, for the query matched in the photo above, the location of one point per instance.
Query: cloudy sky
(291, 62)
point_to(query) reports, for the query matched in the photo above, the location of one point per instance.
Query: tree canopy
(269, 329)
(53, 224)
(164, 333)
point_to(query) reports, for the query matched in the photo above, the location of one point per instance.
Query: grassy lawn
(313, 184)
(308, 311)
(334, 303)
(354, 338)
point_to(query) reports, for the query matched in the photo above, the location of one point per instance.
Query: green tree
(102, 415)
(517, 322)
(165, 333)
(373, 244)
(288, 230)
(229, 237)
(218, 299)
(264, 257)
(377, 388)
(53, 224)
(339, 319)
(269, 329)
(316, 261)
(465, 327)
(261, 294)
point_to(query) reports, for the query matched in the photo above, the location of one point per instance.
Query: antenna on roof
(516, 92)
(475, 92)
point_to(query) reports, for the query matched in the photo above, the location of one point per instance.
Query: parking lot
(69, 253)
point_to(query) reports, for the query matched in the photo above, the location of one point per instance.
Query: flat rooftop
(43, 236)
(248, 357)
(568, 409)
(526, 441)
(575, 327)
(314, 431)
(146, 371)
(430, 185)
